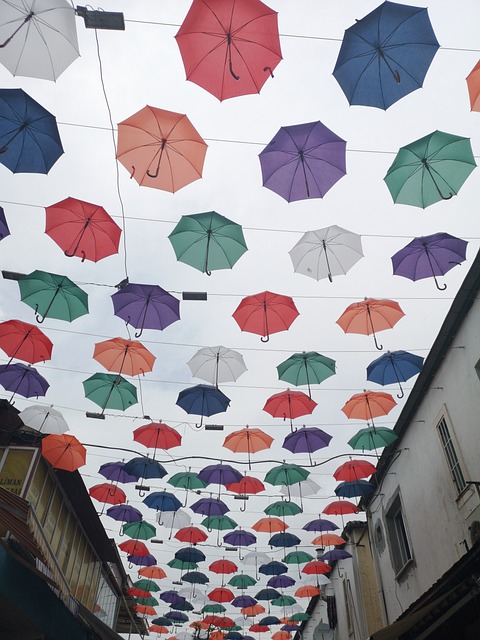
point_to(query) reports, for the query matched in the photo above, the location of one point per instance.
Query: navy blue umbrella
(162, 501)
(190, 554)
(203, 400)
(268, 620)
(182, 605)
(273, 568)
(267, 594)
(233, 635)
(356, 488)
(195, 577)
(143, 467)
(386, 55)
(29, 138)
(284, 539)
(162, 621)
(394, 367)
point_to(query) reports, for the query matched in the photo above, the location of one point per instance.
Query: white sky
(143, 66)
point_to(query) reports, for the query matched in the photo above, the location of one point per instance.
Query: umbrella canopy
(473, 84)
(340, 507)
(354, 470)
(29, 138)
(157, 435)
(53, 296)
(129, 357)
(223, 566)
(308, 591)
(240, 538)
(284, 539)
(64, 452)
(161, 149)
(155, 573)
(320, 524)
(220, 523)
(370, 316)
(430, 169)
(303, 161)
(43, 418)
(220, 474)
(429, 257)
(283, 508)
(124, 513)
(327, 539)
(306, 440)
(175, 563)
(192, 535)
(176, 519)
(146, 306)
(372, 438)
(110, 391)
(289, 405)
(385, 55)
(221, 594)
(195, 577)
(354, 488)
(302, 489)
(24, 341)
(265, 313)
(187, 480)
(203, 400)
(162, 501)
(190, 554)
(316, 567)
(286, 474)
(242, 581)
(143, 467)
(295, 557)
(229, 48)
(22, 379)
(269, 593)
(217, 364)
(4, 230)
(248, 441)
(394, 366)
(272, 568)
(141, 530)
(107, 493)
(270, 525)
(134, 547)
(208, 241)
(39, 37)
(210, 507)
(368, 405)
(82, 229)
(336, 554)
(326, 252)
(308, 367)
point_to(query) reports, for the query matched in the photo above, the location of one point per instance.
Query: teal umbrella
(297, 557)
(307, 367)
(242, 581)
(213, 608)
(146, 585)
(175, 563)
(372, 438)
(187, 480)
(53, 296)
(140, 530)
(110, 391)
(283, 508)
(430, 169)
(283, 601)
(208, 241)
(286, 474)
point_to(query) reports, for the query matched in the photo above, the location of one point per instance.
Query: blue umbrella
(394, 367)
(143, 467)
(280, 582)
(162, 501)
(195, 577)
(268, 620)
(142, 561)
(171, 596)
(190, 554)
(4, 230)
(162, 621)
(243, 601)
(273, 568)
(267, 594)
(115, 472)
(203, 400)
(124, 513)
(357, 488)
(386, 55)
(290, 627)
(233, 635)
(29, 138)
(220, 474)
(284, 539)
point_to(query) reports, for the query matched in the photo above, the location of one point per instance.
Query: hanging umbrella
(247, 485)
(335, 555)
(110, 391)
(258, 628)
(151, 601)
(134, 548)
(473, 84)
(265, 313)
(268, 593)
(284, 540)
(146, 306)
(272, 568)
(220, 523)
(269, 525)
(429, 256)
(283, 508)
(129, 357)
(394, 366)
(295, 557)
(289, 405)
(299, 617)
(190, 554)
(354, 470)
(306, 368)
(157, 435)
(161, 149)
(385, 55)
(306, 440)
(208, 241)
(157, 628)
(368, 405)
(107, 493)
(203, 400)
(303, 161)
(155, 573)
(430, 169)
(248, 441)
(24, 341)
(29, 138)
(269, 620)
(212, 608)
(143, 467)
(195, 577)
(64, 452)
(316, 567)
(124, 513)
(320, 524)
(22, 379)
(217, 364)
(229, 48)
(192, 535)
(325, 253)
(248, 605)
(138, 593)
(187, 480)
(354, 488)
(221, 594)
(140, 530)
(4, 230)
(53, 296)
(308, 591)
(283, 601)
(177, 616)
(162, 501)
(327, 539)
(44, 419)
(372, 438)
(142, 608)
(219, 474)
(242, 581)
(180, 564)
(302, 489)
(370, 316)
(239, 538)
(82, 229)
(340, 507)
(286, 474)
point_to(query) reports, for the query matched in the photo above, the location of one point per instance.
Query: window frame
(451, 452)
(401, 553)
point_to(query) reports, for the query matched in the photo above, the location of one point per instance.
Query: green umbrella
(208, 241)
(430, 169)
(283, 601)
(372, 438)
(52, 295)
(283, 508)
(187, 480)
(297, 557)
(307, 368)
(146, 585)
(299, 617)
(242, 581)
(110, 391)
(213, 608)
(150, 602)
(221, 523)
(140, 530)
(286, 474)
(175, 563)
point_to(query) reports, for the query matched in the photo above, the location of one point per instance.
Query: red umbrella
(265, 313)
(192, 535)
(157, 435)
(254, 610)
(247, 485)
(340, 507)
(369, 316)
(138, 593)
(289, 404)
(223, 566)
(107, 493)
(82, 229)
(221, 595)
(368, 405)
(316, 567)
(24, 341)
(134, 548)
(64, 451)
(124, 356)
(229, 48)
(354, 470)
(158, 628)
(259, 628)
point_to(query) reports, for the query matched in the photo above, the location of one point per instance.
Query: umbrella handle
(138, 333)
(38, 317)
(265, 338)
(269, 69)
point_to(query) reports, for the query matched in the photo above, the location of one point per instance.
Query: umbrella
(354, 470)
(308, 591)
(316, 567)
(161, 149)
(220, 474)
(242, 581)
(430, 169)
(284, 539)
(229, 48)
(385, 55)
(306, 368)
(269, 525)
(195, 577)
(354, 488)
(157, 435)
(303, 161)
(140, 530)
(245, 602)
(326, 252)
(372, 438)
(258, 628)
(162, 501)
(39, 37)
(190, 554)
(177, 616)
(155, 573)
(143, 467)
(208, 241)
(176, 519)
(134, 548)
(138, 593)
(64, 451)
(217, 364)
(247, 485)
(320, 524)
(24, 341)
(340, 507)
(212, 608)
(368, 405)
(302, 489)
(187, 480)
(82, 229)
(221, 523)
(239, 538)
(192, 535)
(110, 391)
(29, 138)
(336, 554)
(299, 617)
(203, 400)
(272, 568)
(429, 256)
(107, 493)
(306, 440)
(295, 557)
(269, 620)
(180, 564)
(473, 84)
(4, 230)
(265, 313)
(129, 357)
(268, 593)
(370, 316)
(124, 513)
(221, 594)
(146, 306)
(286, 474)
(43, 418)
(394, 366)
(22, 379)
(327, 539)
(248, 441)
(53, 296)
(142, 608)
(223, 567)
(289, 404)
(283, 601)
(283, 508)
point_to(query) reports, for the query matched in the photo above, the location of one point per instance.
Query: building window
(451, 455)
(397, 534)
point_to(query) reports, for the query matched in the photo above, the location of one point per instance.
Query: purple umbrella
(336, 554)
(22, 379)
(176, 616)
(429, 257)
(210, 507)
(142, 561)
(240, 538)
(115, 472)
(243, 601)
(4, 230)
(220, 474)
(280, 582)
(172, 597)
(290, 627)
(320, 524)
(303, 161)
(124, 513)
(306, 440)
(146, 306)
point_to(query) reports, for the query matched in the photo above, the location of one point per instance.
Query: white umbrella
(256, 558)
(174, 519)
(301, 489)
(38, 38)
(217, 364)
(326, 252)
(43, 419)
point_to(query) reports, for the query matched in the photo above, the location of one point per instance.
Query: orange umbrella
(254, 610)
(327, 539)
(153, 572)
(308, 591)
(217, 635)
(64, 452)
(157, 628)
(368, 405)
(270, 525)
(369, 316)
(354, 470)
(473, 84)
(146, 610)
(161, 149)
(281, 635)
(124, 356)
(248, 441)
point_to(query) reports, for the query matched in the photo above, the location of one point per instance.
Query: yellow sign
(13, 472)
